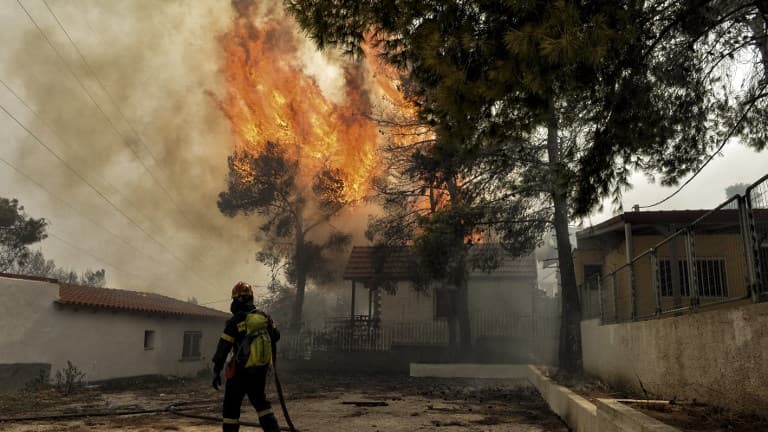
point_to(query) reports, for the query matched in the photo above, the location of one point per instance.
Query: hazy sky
(153, 146)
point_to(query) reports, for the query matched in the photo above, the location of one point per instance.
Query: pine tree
(570, 97)
(267, 184)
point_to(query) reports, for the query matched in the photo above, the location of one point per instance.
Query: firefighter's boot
(269, 423)
(231, 427)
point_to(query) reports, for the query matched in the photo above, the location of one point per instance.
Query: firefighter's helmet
(242, 289)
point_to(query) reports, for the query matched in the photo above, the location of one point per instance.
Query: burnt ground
(315, 402)
(687, 416)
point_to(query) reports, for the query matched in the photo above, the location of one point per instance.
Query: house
(106, 333)
(659, 245)
(503, 304)
(674, 302)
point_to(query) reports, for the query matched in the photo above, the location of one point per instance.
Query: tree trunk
(459, 277)
(462, 309)
(301, 280)
(758, 26)
(570, 320)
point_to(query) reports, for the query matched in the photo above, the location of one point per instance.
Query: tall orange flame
(270, 98)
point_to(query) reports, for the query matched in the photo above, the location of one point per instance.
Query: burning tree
(456, 212)
(572, 97)
(269, 185)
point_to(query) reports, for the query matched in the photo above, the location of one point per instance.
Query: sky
(129, 148)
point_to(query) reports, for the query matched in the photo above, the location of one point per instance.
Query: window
(445, 303)
(149, 339)
(710, 273)
(592, 276)
(191, 349)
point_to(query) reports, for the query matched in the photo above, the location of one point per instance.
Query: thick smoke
(159, 62)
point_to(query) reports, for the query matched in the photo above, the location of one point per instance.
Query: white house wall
(500, 296)
(488, 296)
(102, 343)
(407, 305)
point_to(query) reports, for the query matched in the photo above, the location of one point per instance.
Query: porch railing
(380, 337)
(721, 257)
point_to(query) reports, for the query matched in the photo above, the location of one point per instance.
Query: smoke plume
(137, 105)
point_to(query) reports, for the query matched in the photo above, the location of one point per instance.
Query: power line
(58, 157)
(93, 221)
(71, 207)
(59, 139)
(99, 259)
(727, 137)
(112, 125)
(98, 80)
(120, 112)
(53, 235)
(104, 197)
(114, 128)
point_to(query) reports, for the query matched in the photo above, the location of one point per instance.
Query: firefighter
(250, 334)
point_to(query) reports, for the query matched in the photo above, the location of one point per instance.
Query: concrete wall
(103, 344)
(15, 376)
(716, 356)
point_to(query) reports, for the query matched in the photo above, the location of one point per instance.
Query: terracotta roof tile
(399, 264)
(134, 301)
(367, 262)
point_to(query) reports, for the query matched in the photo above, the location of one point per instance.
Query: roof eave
(136, 310)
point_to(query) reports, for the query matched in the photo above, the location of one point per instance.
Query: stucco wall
(718, 356)
(406, 305)
(492, 295)
(489, 295)
(727, 246)
(101, 343)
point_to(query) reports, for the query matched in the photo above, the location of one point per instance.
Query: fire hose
(280, 389)
(180, 409)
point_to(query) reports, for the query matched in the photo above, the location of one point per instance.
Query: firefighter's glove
(216, 381)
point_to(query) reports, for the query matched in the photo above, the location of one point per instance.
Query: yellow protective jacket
(250, 336)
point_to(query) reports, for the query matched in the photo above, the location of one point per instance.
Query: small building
(659, 253)
(106, 333)
(506, 306)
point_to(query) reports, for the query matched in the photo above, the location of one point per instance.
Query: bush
(69, 379)
(40, 382)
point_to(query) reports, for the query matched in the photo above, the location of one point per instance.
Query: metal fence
(719, 258)
(757, 218)
(371, 336)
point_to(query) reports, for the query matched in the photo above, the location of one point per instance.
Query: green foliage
(69, 379)
(92, 278)
(17, 232)
(263, 183)
(648, 84)
(556, 100)
(291, 215)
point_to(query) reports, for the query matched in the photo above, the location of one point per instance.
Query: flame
(269, 97)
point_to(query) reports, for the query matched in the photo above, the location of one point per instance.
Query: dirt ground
(696, 417)
(687, 416)
(315, 402)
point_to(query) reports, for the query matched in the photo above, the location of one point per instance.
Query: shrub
(40, 382)
(69, 379)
